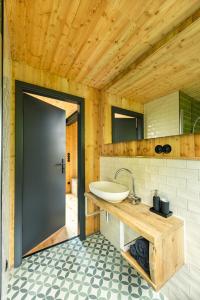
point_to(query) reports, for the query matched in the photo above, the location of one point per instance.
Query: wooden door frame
(20, 88)
(73, 118)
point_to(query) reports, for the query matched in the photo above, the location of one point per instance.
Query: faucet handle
(131, 195)
(137, 200)
(134, 199)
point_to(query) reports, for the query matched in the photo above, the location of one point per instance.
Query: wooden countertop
(138, 217)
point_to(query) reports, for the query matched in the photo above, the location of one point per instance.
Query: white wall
(179, 181)
(161, 116)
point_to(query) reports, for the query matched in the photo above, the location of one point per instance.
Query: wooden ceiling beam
(155, 47)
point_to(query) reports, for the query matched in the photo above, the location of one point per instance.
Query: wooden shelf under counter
(165, 236)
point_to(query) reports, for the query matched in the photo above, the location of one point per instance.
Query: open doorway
(49, 205)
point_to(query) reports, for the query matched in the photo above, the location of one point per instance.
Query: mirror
(173, 114)
(127, 125)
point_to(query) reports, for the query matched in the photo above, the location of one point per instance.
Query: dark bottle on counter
(156, 201)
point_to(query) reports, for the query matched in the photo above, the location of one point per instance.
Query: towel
(140, 251)
(142, 247)
(144, 264)
(133, 251)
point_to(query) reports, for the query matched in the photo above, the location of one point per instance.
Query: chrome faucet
(135, 199)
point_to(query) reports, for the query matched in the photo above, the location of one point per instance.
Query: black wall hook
(163, 149)
(167, 148)
(158, 149)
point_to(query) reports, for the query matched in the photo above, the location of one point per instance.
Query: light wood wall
(31, 75)
(183, 147)
(72, 148)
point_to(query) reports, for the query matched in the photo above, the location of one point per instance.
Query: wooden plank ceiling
(139, 49)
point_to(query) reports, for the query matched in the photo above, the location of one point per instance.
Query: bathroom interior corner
(100, 150)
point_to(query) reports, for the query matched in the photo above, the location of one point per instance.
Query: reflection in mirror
(173, 114)
(126, 125)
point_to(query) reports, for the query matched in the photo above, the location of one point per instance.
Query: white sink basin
(109, 191)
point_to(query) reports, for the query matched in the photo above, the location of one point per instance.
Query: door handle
(62, 165)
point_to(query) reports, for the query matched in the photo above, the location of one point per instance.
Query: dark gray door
(43, 174)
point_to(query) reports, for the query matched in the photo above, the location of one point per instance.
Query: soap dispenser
(156, 201)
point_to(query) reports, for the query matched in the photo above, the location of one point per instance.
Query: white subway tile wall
(179, 182)
(161, 116)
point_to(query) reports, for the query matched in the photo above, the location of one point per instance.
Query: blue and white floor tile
(77, 270)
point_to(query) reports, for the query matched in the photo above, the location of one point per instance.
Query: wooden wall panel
(72, 149)
(197, 145)
(183, 147)
(29, 74)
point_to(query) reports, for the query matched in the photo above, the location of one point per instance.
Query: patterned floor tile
(77, 270)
